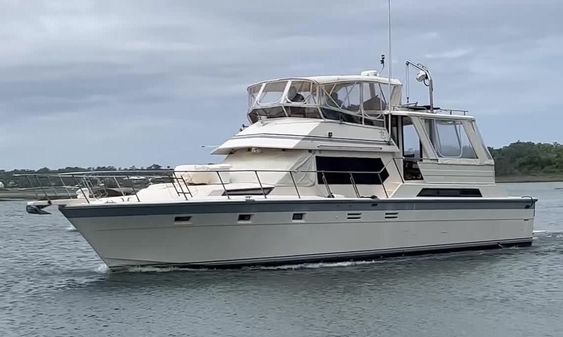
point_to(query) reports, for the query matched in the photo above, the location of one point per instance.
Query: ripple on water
(54, 284)
(71, 228)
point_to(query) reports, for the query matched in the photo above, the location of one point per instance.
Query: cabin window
(449, 139)
(341, 102)
(186, 218)
(249, 191)
(345, 96)
(280, 99)
(272, 92)
(342, 170)
(304, 92)
(395, 131)
(253, 95)
(244, 217)
(485, 149)
(341, 116)
(373, 99)
(467, 150)
(412, 151)
(450, 192)
(273, 112)
(279, 112)
(411, 141)
(302, 112)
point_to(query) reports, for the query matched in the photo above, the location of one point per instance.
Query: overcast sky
(88, 83)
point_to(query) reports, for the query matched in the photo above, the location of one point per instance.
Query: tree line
(514, 160)
(22, 178)
(528, 159)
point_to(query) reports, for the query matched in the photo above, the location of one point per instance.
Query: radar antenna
(424, 77)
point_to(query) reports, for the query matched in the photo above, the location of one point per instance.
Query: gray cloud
(136, 82)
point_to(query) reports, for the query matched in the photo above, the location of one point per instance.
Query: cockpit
(352, 99)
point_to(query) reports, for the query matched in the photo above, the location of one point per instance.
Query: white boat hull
(161, 234)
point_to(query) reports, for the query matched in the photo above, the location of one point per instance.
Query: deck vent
(391, 215)
(298, 216)
(186, 218)
(244, 217)
(354, 216)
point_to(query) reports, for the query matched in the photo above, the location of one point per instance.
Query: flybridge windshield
(353, 96)
(352, 101)
(282, 92)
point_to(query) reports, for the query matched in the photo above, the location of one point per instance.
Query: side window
(411, 141)
(375, 172)
(485, 149)
(302, 92)
(412, 151)
(344, 96)
(272, 92)
(253, 95)
(450, 140)
(446, 139)
(467, 150)
(373, 98)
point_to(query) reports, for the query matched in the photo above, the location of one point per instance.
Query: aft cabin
(441, 148)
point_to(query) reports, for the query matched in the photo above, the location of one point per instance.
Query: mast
(390, 72)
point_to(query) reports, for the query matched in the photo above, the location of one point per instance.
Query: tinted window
(332, 166)
(341, 116)
(250, 191)
(450, 192)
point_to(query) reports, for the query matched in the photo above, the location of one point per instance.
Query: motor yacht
(329, 168)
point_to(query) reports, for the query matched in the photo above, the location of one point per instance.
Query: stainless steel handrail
(181, 186)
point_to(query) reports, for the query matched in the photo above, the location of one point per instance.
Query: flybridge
(358, 99)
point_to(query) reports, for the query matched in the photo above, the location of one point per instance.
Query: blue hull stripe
(268, 205)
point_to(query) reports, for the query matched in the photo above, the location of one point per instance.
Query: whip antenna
(390, 72)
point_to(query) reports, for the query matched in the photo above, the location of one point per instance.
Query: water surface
(53, 284)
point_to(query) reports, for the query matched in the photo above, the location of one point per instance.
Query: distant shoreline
(529, 179)
(33, 193)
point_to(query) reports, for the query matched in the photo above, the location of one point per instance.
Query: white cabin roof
(337, 78)
(353, 78)
(308, 134)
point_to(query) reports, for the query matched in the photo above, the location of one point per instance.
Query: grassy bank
(529, 179)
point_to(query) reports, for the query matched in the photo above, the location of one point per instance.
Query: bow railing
(93, 185)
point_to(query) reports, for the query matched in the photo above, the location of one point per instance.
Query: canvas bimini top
(360, 99)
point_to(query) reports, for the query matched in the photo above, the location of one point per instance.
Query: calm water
(52, 284)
